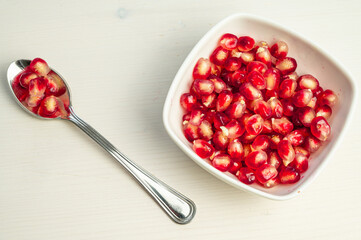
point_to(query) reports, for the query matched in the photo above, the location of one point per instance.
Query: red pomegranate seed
(274, 141)
(232, 64)
(274, 159)
(233, 129)
(203, 148)
(272, 77)
(299, 149)
(256, 79)
(270, 94)
(282, 125)
(235, 167)
(296, 137)
(215, 70)
(235, 150)
(306, 115)
(320, 128)
(219, 56)
(247, 138)
(203, 86)
(256, 159)
(286, 65)
(245, 43)
(210, 115)
(318, 91)
(289, 175)
(222, 162)
(220, 119)
(265, 173)
(238, 77)
(286, 152)
(236, 109)
(308, 82)
(209, 101)
(276, 107)
(219, 84)
(186, 118)
(26, 77)
(313, 103)
(287, 88)
(254, 124)
(49, 106)
(202, 69)
(228, 41)
(205, 130)
(293, 76)
(37, 89)
(271, 183)
(216, 153)
(262, 108)
(261, 142)
(246, 149)
(235, 53)
(39, 66)
(220, 140)
(247, 57)
(250, 92)
(279, 49)
(257, 66)
(267, 127)
(311, 144)
(327, 97)
(197, 116)
(190, 132)
(224, 100)
(246, 175)
(300, 163)
(288, 108)
(302, 97)
(263, 55)
(237, 97)
(324, 111)
(259, 44)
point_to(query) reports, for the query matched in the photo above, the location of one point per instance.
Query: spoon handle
(180, 208)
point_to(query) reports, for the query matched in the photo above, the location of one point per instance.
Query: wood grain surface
(119, 58)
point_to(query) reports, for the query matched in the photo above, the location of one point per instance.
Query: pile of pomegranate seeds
(41, 90)
(250, 114)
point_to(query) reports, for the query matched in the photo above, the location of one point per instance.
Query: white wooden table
(120, 58)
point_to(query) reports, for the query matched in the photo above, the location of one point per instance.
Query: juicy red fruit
(279, 49)
(202, 69)
(222, 162)
(289, 175)
(224, 100)
(254, 124)
(39, 66)
(256, 159)
(203, 148)
(265, 173)
(188, 101)
(320, 128)
(228, 41)
(245, 43)
(246, 175)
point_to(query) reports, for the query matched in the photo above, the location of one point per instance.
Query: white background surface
(119, 58)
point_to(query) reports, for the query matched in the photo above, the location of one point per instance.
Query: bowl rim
(210, 168)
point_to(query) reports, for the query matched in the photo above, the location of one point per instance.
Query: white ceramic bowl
(310, 58)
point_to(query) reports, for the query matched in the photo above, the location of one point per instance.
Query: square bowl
(311, 59)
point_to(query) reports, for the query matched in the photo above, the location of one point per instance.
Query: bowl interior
(310, 59)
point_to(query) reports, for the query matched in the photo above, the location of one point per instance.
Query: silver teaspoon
(179, 208)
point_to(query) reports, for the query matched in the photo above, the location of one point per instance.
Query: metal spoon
(179, 208)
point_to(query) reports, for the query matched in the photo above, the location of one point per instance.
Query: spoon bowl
(178, 207)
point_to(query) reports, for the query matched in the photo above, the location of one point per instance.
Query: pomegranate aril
(224, 99)
(320, 128)
(55, 84)
(237, 97)
(267, 127)
(233, 129)
(228, 41)
(254, 124)
(265, 173)
(220, 140)
(270, 94)
(216, 153)
(318, 91)
(247, 57)
(327, 97)
(247, 137)
(313, 103)
(49, 106)
(302, 97)
(257, 66)
(263, 108)
(219, 84)
(299, 149)
(274, 159)
(219, 56)
(235, 150)
(190, 132)
(296, 137)
(197, 116)
(235, 53)
(238, 77)
(222, 162)
(288, 107)
(263, 55)
(279, 50)
(324, 111)
(235, 167)
(250, 92)
(220, 119)
(26, 77)
(271, 183)
(39, 66)
(293, 76)
(261, 142)
(188, 101)
(203, 86)
(257, 80)
(276, 107)
(274, 140)
(287, 88)
(306, 115)
(286, 152)
(289, 175)
(256, 159)
(246, 149)
(245, 43)
(259, 44)
(205, 130)
(300, 162)
(272, 77)
(202, 69)
(215, 70)
(311, 144)
(282, 125)
(209, 101)
(37, 89)
(232, 64)
(246, 175)
(308, 82)
(236, 109)
(203, 148)
(286, 65)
